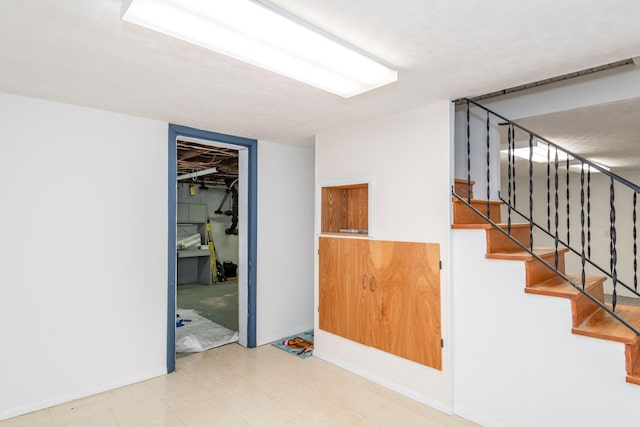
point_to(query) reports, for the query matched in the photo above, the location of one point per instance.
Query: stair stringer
(515, 359)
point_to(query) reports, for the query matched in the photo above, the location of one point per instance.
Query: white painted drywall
(407, 156)
(516, 361)
(285, 240)
(84, 259)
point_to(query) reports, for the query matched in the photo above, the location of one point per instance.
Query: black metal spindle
(556, 213)
(589, 211)
(468, 155)
(549, 188)
(488, 168)
(612, 244)
(513, 182)
(635, 245)
(531, 191)
(568, 205)
(582, 239)
(509, 141)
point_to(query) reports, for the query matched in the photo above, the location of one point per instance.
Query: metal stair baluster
(468, 155)
(556, 204)
(488, 167)
(635, 245)
(568, 205)
(531, 191)
(612, 244)
(582, 239)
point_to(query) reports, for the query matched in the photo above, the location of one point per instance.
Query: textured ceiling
(79, 51)
(608, 134)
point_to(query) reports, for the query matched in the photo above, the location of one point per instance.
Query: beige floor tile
(39, 418)
(77, 410)
(394, 414)
(125, 396)
(105, 419)
(208, 413)
(234, 386)
(270, 412)
(142, 412)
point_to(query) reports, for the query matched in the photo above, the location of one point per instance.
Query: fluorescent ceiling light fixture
(540, 152)
(265, 36)
(580, 166)
(194, 175)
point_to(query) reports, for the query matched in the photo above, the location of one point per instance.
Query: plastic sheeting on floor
(200, 334)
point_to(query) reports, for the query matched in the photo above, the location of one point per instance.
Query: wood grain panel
(498, 242)
(632, 353)
(408, 279)
(334, 209)
(358, 208)
(333, 277)
(462, 188)
(602, 325)
(463, 215)
(355, 251)
(537, 272)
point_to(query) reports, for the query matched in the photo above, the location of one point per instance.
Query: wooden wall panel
(334, 209)
(410, 287)
(358, 212)
(383, 294)
(332, 304)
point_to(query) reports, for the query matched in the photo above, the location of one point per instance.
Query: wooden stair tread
(478, 201)
(463, 181)
(486, 226)
(602, 325)
(558, 287)
(521, 255)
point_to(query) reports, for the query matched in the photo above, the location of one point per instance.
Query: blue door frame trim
(252, 226)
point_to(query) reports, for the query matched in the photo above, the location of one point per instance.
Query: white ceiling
(608, 134)
(79, 51)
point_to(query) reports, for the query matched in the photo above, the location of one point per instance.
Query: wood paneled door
(383, 294)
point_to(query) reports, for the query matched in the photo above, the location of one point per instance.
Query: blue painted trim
(252, 225)
(171, 253)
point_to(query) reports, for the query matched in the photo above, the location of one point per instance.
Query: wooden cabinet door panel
(333, 306)
(359, 298)
(410, 294)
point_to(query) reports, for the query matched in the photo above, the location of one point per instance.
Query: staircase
(511, 242)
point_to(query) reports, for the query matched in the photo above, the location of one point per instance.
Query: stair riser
(632, 352)
(464, 215)
(583, 307)
(498, 242)
(538, 272)
(462, 189)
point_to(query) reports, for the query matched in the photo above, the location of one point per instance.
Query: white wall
(84, 261)
(408, 157)
(285, 240)
(517, 362)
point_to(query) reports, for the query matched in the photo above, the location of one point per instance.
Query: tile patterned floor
(233, 386)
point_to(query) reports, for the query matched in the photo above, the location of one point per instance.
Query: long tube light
(263, 35)
(197, 174)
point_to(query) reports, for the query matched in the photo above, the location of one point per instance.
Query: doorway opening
(187, 218)
(207, 313)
